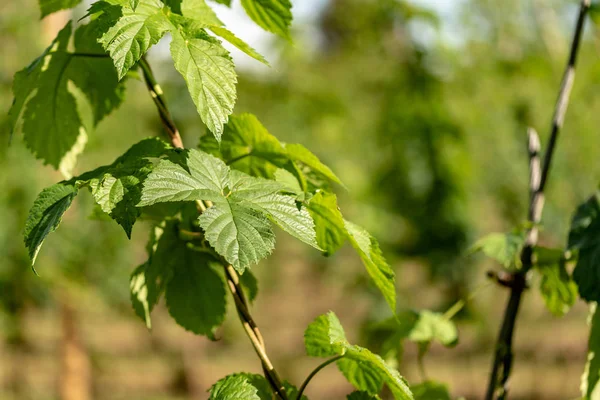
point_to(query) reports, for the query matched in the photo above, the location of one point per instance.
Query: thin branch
(313, 373)
(233, 280)
(161, 104)
(503, 358)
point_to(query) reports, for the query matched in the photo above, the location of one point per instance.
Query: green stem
(313, 373)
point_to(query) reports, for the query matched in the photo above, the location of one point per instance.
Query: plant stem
(313, 373)
(233, 279)
(161, 104)
(503, 358)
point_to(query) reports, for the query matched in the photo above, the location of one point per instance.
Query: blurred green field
(421, 112)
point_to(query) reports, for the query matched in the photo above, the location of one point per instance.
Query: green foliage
(233, 387)
(272, 15)
(502, 247)
(48, 7)
(134, 33)
(237, 225)
(116, 188)
(325, 337)
(431, 390)
(584, 239)
(557, 287)
(209, 73)
(56, 126)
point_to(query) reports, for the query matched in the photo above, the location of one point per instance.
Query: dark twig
(313, 373)
(503, 358)
(233, 280)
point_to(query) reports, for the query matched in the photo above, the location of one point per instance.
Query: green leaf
(368, 249)
(209, 73)
(46, 214)
(502, 247)
(116, 188)
(432, 326)
(96, 77)
(140, 294)
(584, 237)
(199, 11)
(325, 337)
(299, 153)
(237, 42)
(233, 387)
(557, 288)
(362, 396)
(59, 98)
(239, 233)
(272, 15)
(261, 384)
(247, 146)
(362, 375)
(591, 375)
(263, 195)
(431, 390)
(329, 223)
(53, 114)
(196, 295)
(148, 281)
(48, 7)
(134, 33)
(237, 225)
(133, 4)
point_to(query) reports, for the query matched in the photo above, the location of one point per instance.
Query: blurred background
(421, 107)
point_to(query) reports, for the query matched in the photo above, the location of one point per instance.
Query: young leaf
(209, 73)
(584, 236)
(368, 249)
(250, 284)
(557, 288)
(233, 387)
(134, 33)
(46, 214)
(140, 294)
(291, 391)
(329, 223)
(48, 7)
(325, 337)
(502, 247)
(431, 390)
(271, 15)
(432, 326)
(237, 225)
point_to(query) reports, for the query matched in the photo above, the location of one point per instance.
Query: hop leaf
(325, 337)
(209, 74)
(134, 33)
(237, 225)
(271, 15)
(233, 387)
(48, 7)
